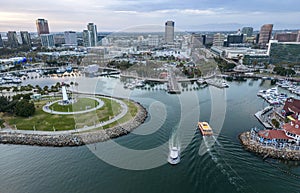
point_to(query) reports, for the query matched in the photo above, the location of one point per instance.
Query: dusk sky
(116, 15)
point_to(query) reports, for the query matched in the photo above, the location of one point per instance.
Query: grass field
(43, 121)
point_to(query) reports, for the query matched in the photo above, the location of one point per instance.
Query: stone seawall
(76, 139)
(267, 151)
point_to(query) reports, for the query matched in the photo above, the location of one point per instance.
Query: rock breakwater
(267, 151)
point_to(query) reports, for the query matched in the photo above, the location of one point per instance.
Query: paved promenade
(47, 109)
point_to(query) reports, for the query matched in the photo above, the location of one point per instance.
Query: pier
(259, 114)
(173, 86)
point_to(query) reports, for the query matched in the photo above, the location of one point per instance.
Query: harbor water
(138, 163)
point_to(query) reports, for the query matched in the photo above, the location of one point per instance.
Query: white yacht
(174, 155)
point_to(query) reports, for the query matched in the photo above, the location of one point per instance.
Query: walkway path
(48, 110)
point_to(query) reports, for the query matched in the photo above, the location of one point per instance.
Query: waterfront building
(169, 32)
(26, 39)
(42, 26)
(265, 34)
(218, 39)
(248, 31)
(93, 34)
(274, 135)
(286, 37)
(47, 40)
(284, 53)
(1, 42)
(70, 38)
(291, 108)
(12, 39)
(298, 37)
(292, 130)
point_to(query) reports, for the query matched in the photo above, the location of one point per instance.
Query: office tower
(93, 34)
(42, 26)
(25, 36)
(265, 34)
(70, 38)
(1, 42)
(12, 39)
(286, 37)
(234, 39)
(86, 36)
(248, 31)
(169, 32)
(47, 40)
(218, 39)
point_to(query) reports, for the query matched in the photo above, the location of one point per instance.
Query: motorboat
(205, 129)
(174, 155)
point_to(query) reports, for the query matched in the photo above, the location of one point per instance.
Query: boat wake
(233, 177)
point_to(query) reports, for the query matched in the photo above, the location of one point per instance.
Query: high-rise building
(248, 31)
(42, 26)
(86, 36)
(1, 42)
(234, 39)
(298, 36)
(93, 34)
(286, 37)
(169, 32)
(12, 39)
(25, 36)
(218, 39)
(265, 34)
(70, 38)
(47, 40)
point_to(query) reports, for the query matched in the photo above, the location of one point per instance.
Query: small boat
(224, 84)
(205, 129)
(174, 155)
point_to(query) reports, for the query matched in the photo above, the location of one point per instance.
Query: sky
(120, 15)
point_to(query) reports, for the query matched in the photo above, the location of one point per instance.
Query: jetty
(259, 115)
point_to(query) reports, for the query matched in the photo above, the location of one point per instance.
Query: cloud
(110, 15)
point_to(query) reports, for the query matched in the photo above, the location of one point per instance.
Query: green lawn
(47, 122)
(80, 105)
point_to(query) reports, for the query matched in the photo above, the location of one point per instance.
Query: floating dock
(216, 83)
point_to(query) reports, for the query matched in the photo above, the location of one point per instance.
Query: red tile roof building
(292, 107)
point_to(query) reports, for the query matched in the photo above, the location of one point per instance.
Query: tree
(3, 103)
(24, 108)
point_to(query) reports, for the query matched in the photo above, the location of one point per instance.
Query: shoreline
(76, 139)
(265, 151)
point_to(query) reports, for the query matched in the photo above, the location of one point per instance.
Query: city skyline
(116, 15)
